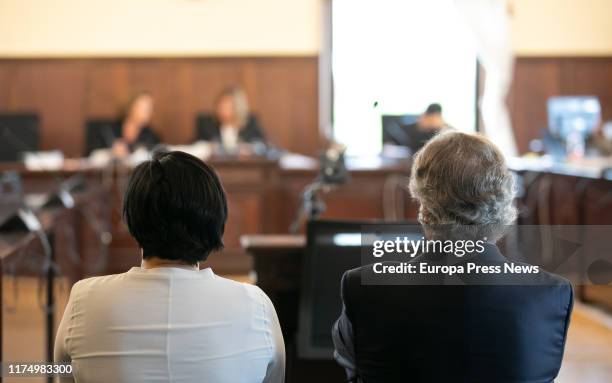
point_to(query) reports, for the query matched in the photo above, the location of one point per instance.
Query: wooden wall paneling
(274, 84)
(301, 124)
(107, 86)
(181, 103)
(590, 76)
(67, 92)
(147, 75)
(361, 198)
(535, 80)
(56, 90)
(5, 85)
(282, 91)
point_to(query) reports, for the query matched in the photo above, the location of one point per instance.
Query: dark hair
(175, 207)
(434, 108)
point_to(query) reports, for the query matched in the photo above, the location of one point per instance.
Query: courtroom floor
(588, 354)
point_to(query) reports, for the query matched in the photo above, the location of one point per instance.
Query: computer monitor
(393, 128)
(332, 248)
(573, 114)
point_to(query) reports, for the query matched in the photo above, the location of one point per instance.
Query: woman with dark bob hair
(167, 320)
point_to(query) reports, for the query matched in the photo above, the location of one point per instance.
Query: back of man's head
(434, 108)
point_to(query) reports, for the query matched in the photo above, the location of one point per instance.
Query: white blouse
(170, 325)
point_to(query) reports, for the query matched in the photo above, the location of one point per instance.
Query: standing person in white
(168, 321)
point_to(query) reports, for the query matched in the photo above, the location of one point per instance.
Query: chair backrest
(205, 127)
(11, 195)
(332, 248)
(99, 133)
(18, 133)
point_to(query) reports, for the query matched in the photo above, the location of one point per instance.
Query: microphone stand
(332, 172)
(312, 205)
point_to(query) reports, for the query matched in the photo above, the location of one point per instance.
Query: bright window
(397, 57)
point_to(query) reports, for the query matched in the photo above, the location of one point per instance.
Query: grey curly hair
(461, 181)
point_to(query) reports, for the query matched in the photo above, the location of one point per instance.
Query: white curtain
(489, 21)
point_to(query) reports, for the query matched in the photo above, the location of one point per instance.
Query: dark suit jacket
(493, 332)
(209, 129)
(102, 133)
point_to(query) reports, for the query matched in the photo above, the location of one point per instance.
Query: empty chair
(18, 133)
(100, 133)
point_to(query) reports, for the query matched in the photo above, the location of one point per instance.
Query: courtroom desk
(252, 186)
(570, 193)
(21, 253)
(263, 197)
(44, 179)
(277, 264)
(250, 183)
(92, 208)
(377, 188)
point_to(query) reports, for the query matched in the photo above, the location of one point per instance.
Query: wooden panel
(537, 79)
(244, 216)
(534, 82)
(591, 77)
(66, 92)
(361, 198)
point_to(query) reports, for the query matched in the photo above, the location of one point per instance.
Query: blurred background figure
(432, 119)
(601, 141)
(232, 122)
(415, 135)
(131, 131)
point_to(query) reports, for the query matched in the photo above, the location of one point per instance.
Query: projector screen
(397, 57)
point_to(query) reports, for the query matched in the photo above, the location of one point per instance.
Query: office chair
(99, 134)
(332, 247)
(18, 133)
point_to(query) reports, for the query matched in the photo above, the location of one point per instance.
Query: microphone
(333, 169)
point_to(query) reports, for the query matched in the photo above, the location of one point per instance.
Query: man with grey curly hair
(480, 328)
(463, 187)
